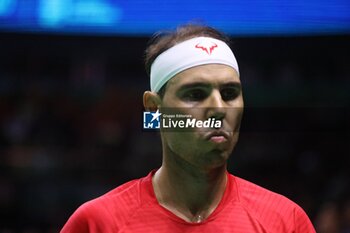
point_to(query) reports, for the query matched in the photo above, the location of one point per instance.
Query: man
(194, 71)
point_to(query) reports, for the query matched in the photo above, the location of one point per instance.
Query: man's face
(206, 91)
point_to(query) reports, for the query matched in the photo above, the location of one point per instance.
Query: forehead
(214, 74)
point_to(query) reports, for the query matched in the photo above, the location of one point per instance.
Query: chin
(215, 158)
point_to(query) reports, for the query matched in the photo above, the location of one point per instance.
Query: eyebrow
(206, 85)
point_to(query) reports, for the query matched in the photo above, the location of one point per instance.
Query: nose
(216, 106)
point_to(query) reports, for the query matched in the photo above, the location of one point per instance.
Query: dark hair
(164, 40)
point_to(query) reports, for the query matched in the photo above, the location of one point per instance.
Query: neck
(189, 192)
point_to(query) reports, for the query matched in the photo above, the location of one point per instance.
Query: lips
(217, 136)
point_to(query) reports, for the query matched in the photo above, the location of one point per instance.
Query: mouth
(218, 136)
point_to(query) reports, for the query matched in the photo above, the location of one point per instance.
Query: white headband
(193, 52)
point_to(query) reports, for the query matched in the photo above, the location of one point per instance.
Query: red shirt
(244, 208)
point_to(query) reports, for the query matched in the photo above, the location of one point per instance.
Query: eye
(195, 95)
(229, 93)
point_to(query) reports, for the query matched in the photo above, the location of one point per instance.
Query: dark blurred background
(71, 119)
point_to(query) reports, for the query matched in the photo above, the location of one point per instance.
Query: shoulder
(122, 199)
(272, 209)
(256, 196)
(109, 211)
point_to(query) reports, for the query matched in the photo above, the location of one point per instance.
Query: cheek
(178, 141)
(185, 144)
(233, 118)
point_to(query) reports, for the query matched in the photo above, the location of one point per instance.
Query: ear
(151, 101)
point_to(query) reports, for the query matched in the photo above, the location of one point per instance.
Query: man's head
(165, 40)
(194, 71)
